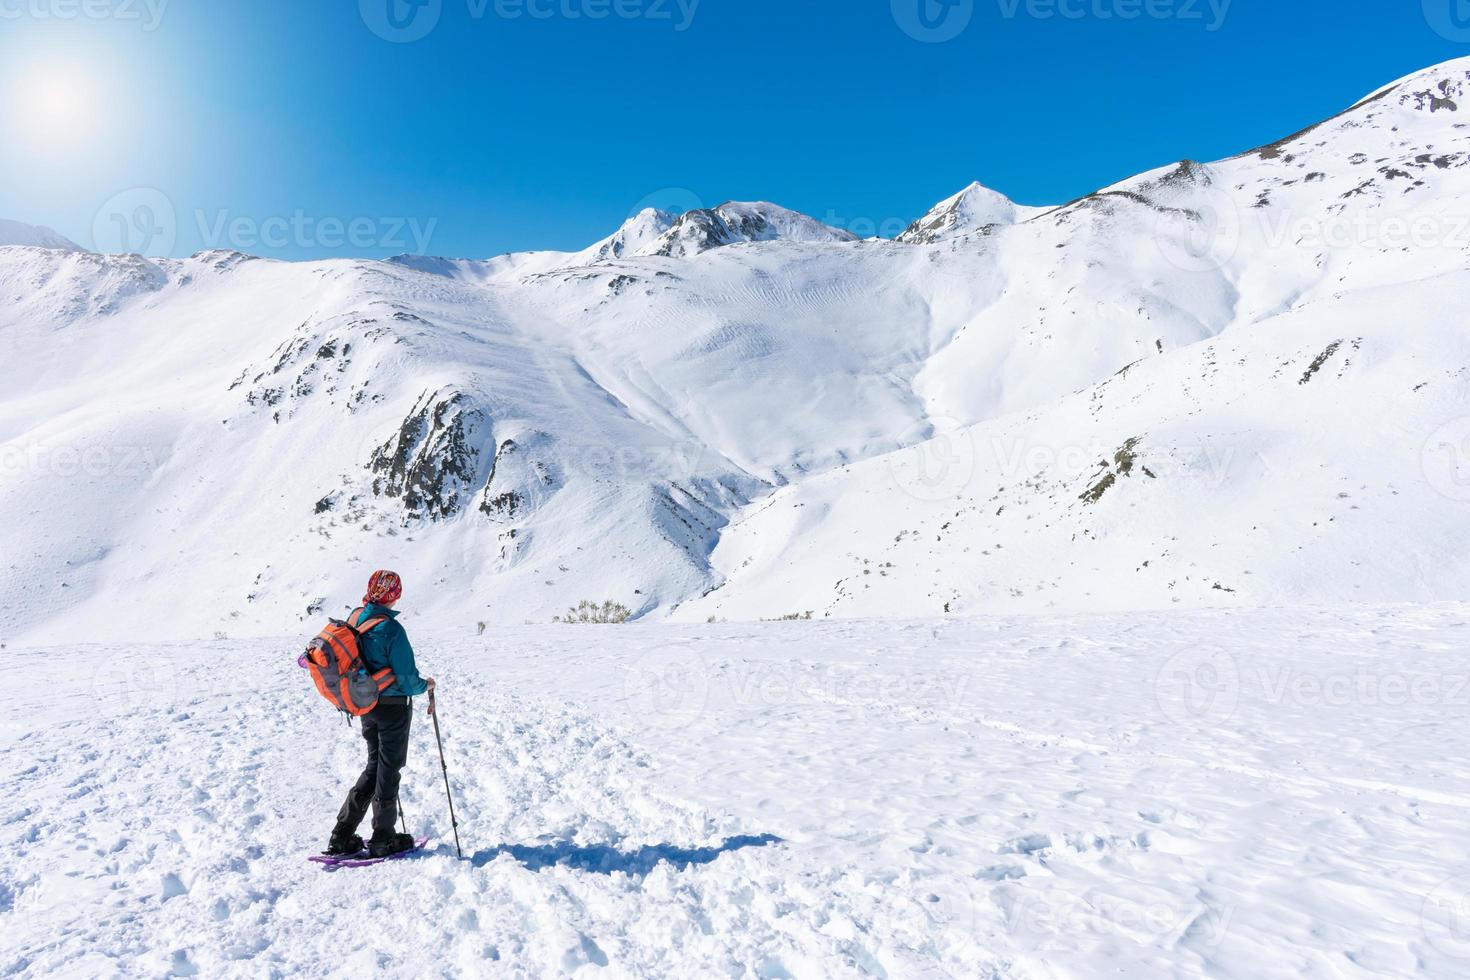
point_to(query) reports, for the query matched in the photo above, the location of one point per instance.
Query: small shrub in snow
(588, 611)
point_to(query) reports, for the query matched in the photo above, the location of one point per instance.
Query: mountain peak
(637, 233)
(741, 221)
(972, 209)
(35, 236)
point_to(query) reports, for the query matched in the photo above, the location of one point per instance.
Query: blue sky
(295, 129)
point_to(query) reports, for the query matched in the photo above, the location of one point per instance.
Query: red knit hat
(384, 588)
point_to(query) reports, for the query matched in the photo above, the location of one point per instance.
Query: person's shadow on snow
(606, 859)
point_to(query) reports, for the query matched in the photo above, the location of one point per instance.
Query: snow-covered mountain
(1240, 382)
(706, 228)
(637, 234)
(648, 233)
(34, 236)
(973, 209)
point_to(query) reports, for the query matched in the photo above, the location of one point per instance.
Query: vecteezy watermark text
(1211, 13)
(1285, 685)
(149, 13)
(70, 460)
(222, 229)
(406, 21)
(937, 21)
(144, 220)
(680, 12)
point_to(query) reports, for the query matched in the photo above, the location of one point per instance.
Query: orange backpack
(342, 676)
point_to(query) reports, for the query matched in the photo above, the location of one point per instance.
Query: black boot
(392, 843)
(386, 840)
(344, 843)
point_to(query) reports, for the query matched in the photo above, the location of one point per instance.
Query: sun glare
(55, 108)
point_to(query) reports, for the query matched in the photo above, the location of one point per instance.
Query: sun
(54, 108)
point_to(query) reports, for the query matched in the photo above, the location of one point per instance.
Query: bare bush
(588, 611)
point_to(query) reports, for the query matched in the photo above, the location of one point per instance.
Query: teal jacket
(386, 645)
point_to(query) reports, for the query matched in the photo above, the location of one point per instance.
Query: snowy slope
(1290, 410)
(1292, 460)
(742, 412)
(1223, 794)
(351, 406)
(33, 236)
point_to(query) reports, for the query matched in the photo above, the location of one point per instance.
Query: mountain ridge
(752, 426)
(15, 233)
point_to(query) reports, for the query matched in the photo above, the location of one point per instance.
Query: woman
(385, 728)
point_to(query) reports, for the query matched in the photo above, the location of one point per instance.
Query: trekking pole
(452, 822)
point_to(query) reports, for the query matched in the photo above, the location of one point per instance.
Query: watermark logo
(1201, 684)
(1202, 237)
(140, 220)
(1445, 918)
(933, 21)
(951, 912)
(673, 200)
(939, 462)
(1446, 460)
(122, 685)
(1450, 19)
(668, 688)
(401, 21)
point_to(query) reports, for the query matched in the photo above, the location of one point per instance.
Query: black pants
(385, 729)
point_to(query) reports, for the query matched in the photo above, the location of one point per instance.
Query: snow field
(1221, 793)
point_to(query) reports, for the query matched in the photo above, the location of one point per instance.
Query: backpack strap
(362, 627)
(384, 677)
